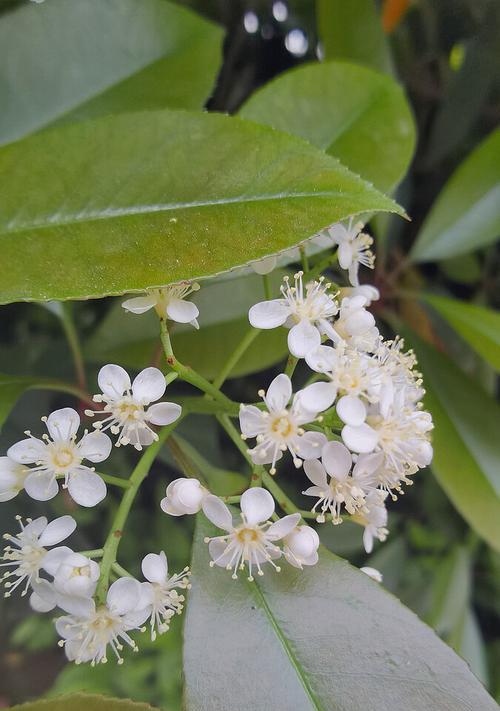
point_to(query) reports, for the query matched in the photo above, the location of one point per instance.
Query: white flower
(183, 496)
(168, 302)
(88, 630)
(306, 312)
(163, 599)
(300, 547)
(28, 553)
(280, 428)
(60, 455)
(370, 292)
(75, 577)
(125, 405)
(251, 542)
(12, 478)
(372, 573)
(341, 490)
(354, 248)
(374, 519)
(355, 325)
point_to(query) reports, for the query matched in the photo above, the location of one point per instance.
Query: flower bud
(301, 546)
(183, 496)
(77, 575)
(372, 573)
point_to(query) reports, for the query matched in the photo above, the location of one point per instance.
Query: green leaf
(353, 30)
(353, 113)
(88, 211)
(101, 57)
(466, 214)
(324, 638)
(477, 325)
(83, 702)
(133, 340)
(465, 441)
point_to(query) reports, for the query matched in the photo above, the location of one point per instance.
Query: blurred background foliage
(446, 55)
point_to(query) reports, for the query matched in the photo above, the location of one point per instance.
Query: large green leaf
(83, 702)
(358, 115)
(92, 57)
(465, 440)
(133, 340)
(466, 215)
(479, 326)
(353, 30)
(138, 200)
(326, 638)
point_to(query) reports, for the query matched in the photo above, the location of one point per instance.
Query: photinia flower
(125, 405)
(28, 553)
(252, 541)
(163, 599)
(12, 478)
(340, 490)
(183, 496)
(374, 518)
(88, 630)
(354, 248)
(75, 577)
(60, 455)
(355, 325)
(300, 547)
(169, 303)
(280, 428)
(307, 312)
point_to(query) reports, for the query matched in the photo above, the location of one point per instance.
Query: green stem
(73, 342)
(63, 387)
(291, 364)
(231, 499)
(188, 374)
(120, 570)
(116, 531)
(206, 406)
(115, 481)
(235, 356)
(96, 553)
(257, 470)
(303, 258)
(321, 266)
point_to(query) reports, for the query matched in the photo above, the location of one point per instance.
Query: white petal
(251, 420)
(280, 529)
(38, 604)
(217, 512)
(322, 359)
(269, 314)
(361, 439)
(182, 311)
(219, 554)
(155, 567)
(113, 380)
(279, 393)
(303, 338)
(311, 559)
(163, 413)
(41, 486)
(351, 410)
(53, 559)
(338, 233)
(123, 596)
(189, 495)
(265, 265)
(337, 459)
(345, 255)
(140, 304)
(95, 446)
(35, 528)
(372, 573)
(149, 385)
(86, 487)
(63, 424)
(368, 540)
(57, 530)
(27, 451)
(318, 396)
(167, 506)
(367, 465)
(79, 605)
(265, 454)
(310, 444)
(257, 505)
(316, 473)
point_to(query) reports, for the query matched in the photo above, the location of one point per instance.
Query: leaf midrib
(116, 213)
(286, 646)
